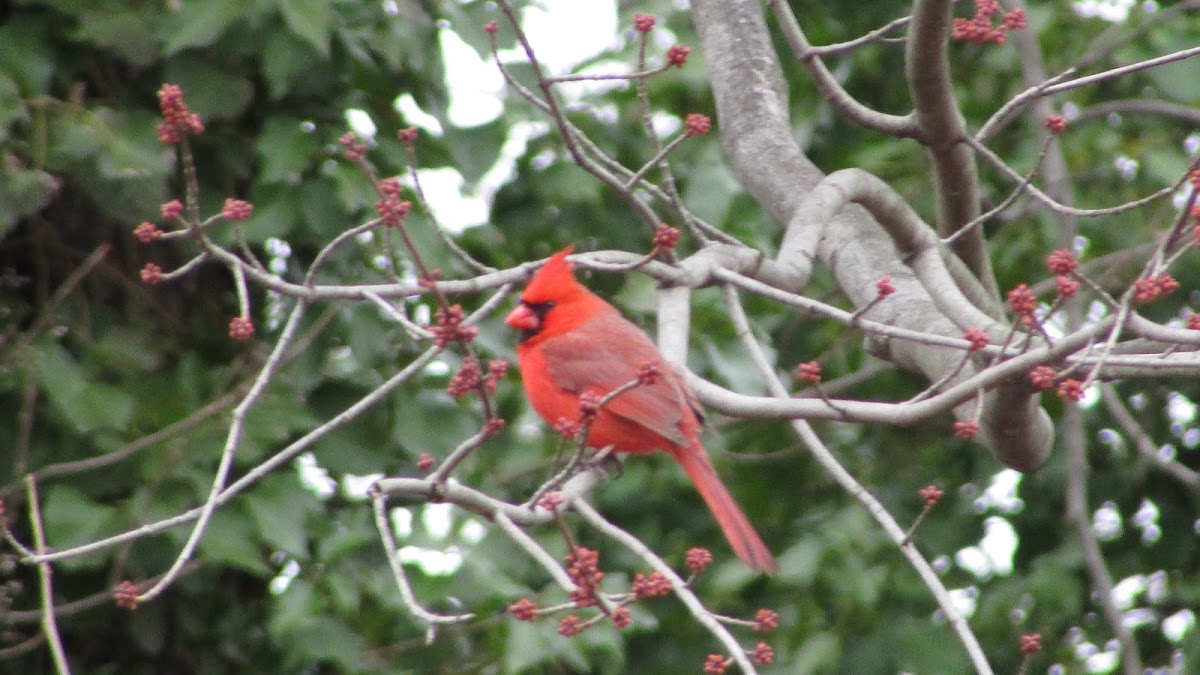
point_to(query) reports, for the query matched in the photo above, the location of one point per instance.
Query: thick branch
(956, 179)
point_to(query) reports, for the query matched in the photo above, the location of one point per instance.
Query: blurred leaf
(711, 185)
(128, 33)
(325, 639)
(285, 59)
(27, 191)
(71, 519)
(285, 150)
(530, 644)
(12, 108)
(214, 93)
(280, 507)
(25, 54)
(230, 539)
(311, 20)
(200, 24)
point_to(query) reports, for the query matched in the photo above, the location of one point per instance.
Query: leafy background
(110, 361)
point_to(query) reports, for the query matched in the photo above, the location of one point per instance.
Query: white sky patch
(355, 487)
(1126, 591)
(1106, 522)
(1091, 396)
(964, 600)
(436, 520)
(1191, 144)
(665, 124)
(1180, 408)
(1102, 662)
(407, 106)
(402, 522)
(1156, 587)
(475, 84)
(973, 560)
(567, 32)
(1113, 11)
(1177, 626)
(1146, 520)
(472, 531)
(1001, 493)
(999, 544)
(1096, 311)
(994, 554)
(314, 476)
(360, 123)
(284, 579)
(454, 208)
(437, 369)
(1136, 618)
(432, 562)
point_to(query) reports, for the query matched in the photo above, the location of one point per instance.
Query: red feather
(573, 343)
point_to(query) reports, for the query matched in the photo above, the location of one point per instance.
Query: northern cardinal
(572, 343)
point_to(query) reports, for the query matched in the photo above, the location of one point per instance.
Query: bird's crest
(553, 281)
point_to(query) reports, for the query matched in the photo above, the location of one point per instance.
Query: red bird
(572, 343)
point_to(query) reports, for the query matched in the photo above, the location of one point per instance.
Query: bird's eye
(540, 308)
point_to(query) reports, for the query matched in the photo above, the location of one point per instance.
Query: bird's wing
(605, 353)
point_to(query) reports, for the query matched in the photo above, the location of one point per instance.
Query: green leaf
(326, 639)
(125, 350)
(230, 539)
(285, 150)
(61, 378)
(276, 213)
(711, 185)
(285, 59)
(279, 506)
(71, 518)
(1178, 81)
(26, 54)
(311, 20)
(354, 533)
(29, 190)
(74, 136)
(532, 643)
(212, 92)
(293, 608)
(200, 24)
(12, 107)
(104, 406)
(127, 33)
(475, 150)
(319, 204)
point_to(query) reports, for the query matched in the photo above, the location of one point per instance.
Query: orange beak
(522, 318)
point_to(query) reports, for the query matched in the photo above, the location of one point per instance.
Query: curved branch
(956, 178)
(899, 126)
(855, 489)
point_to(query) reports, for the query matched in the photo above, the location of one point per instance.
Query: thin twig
(855, 489)
(430, 619)
(678, 585)
(49, 625)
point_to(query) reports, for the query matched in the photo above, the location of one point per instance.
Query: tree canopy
(930, 268)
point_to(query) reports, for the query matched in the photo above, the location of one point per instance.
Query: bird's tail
(737, 528)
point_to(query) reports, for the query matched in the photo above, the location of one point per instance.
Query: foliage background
(108, 361)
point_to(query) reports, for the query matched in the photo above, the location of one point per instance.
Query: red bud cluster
(450, 327)
(766, 620)
(241, 328)
(698, 559)
(125, 594)
(650, 585)
(178, 121)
